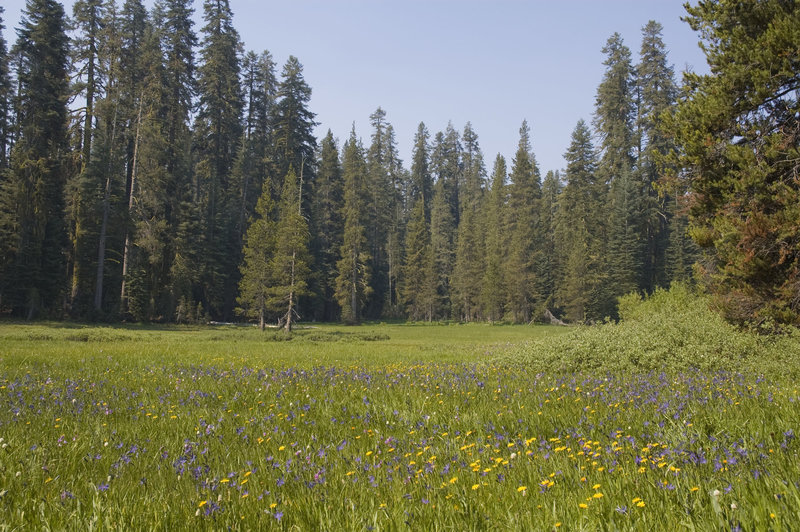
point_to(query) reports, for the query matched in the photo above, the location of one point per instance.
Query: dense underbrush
(671, 330)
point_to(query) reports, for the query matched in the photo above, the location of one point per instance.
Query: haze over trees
(154, 173)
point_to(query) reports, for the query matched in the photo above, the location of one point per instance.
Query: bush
(671, 330)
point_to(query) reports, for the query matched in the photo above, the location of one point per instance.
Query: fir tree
(419, 274)
(493, 294)
(32, 195)
(446, 166)
(5, 99)
(614, 110)
(614, 119)
(289, 263)
(468, 262)
(657, 94)
(328, 226)
(524, 227)
(744, 162)
(293, 124)
(353, 279)
(259, 247)
(421, 183)
(580, 232)
(381, 197)
(217, 132)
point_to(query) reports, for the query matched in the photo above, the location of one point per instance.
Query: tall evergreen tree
(328, 226)
(614, 110)
(134, 26)
(291, 258)
(254, 165)
(5, 99)
(445, 164)
(744, 165)
(657, 94)
(524, 227)
(256, 274)
(548, 265)
(493, 292)
(88, 23)
(421, 183)
(580, 232)
(395, 232)
(468, 262)
(217, 132)
(293, 127)
(614, 120)
(419, 270)
(32, 195)
(353, 280)
(380, 210)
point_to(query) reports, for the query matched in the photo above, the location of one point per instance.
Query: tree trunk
(101, 251)
(127, 250)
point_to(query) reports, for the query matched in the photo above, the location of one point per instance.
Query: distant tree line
(150, 174)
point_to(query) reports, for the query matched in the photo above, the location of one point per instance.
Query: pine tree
(614, 110)
(737, 133)
(380, 209)
(353, 279)
(614, 118)
(177, 43)
(259, 247)
(421, 183)
(134, 26)
(147, 259)
(493, 293)
(5, 99)
(88, 21)
(328, 226)
(524, 227)
(32, 195)
(469, 263)
(548, 266)
(293, 127)
(446, 166)
(580, 233)
(657, 94)
(254, 165)
(395, 232)
(419, 273)
(289, 263)
(217, 132)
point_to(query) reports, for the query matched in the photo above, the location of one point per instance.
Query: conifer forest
(154, 171)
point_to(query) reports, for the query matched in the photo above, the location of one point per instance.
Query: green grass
(385, 427)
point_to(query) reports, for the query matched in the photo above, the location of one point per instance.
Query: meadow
(394, 427)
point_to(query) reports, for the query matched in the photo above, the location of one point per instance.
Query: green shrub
(671, 330)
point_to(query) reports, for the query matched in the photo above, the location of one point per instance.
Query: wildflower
(522, 489)
(583, 505)
(695, 488)
(202, 503)
(453, 480)
(476, 486)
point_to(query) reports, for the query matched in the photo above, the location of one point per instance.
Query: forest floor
(393, 426)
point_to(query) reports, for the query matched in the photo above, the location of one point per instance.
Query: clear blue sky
(491, 62)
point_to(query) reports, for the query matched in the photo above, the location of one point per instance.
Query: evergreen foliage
(32, 195)
(160, 186)
(737, 129)
(259, 247)
(328, 230)
(353, 280)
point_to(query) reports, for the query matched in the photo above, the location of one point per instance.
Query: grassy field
(380, 427)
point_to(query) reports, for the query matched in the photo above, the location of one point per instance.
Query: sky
(490, 62)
